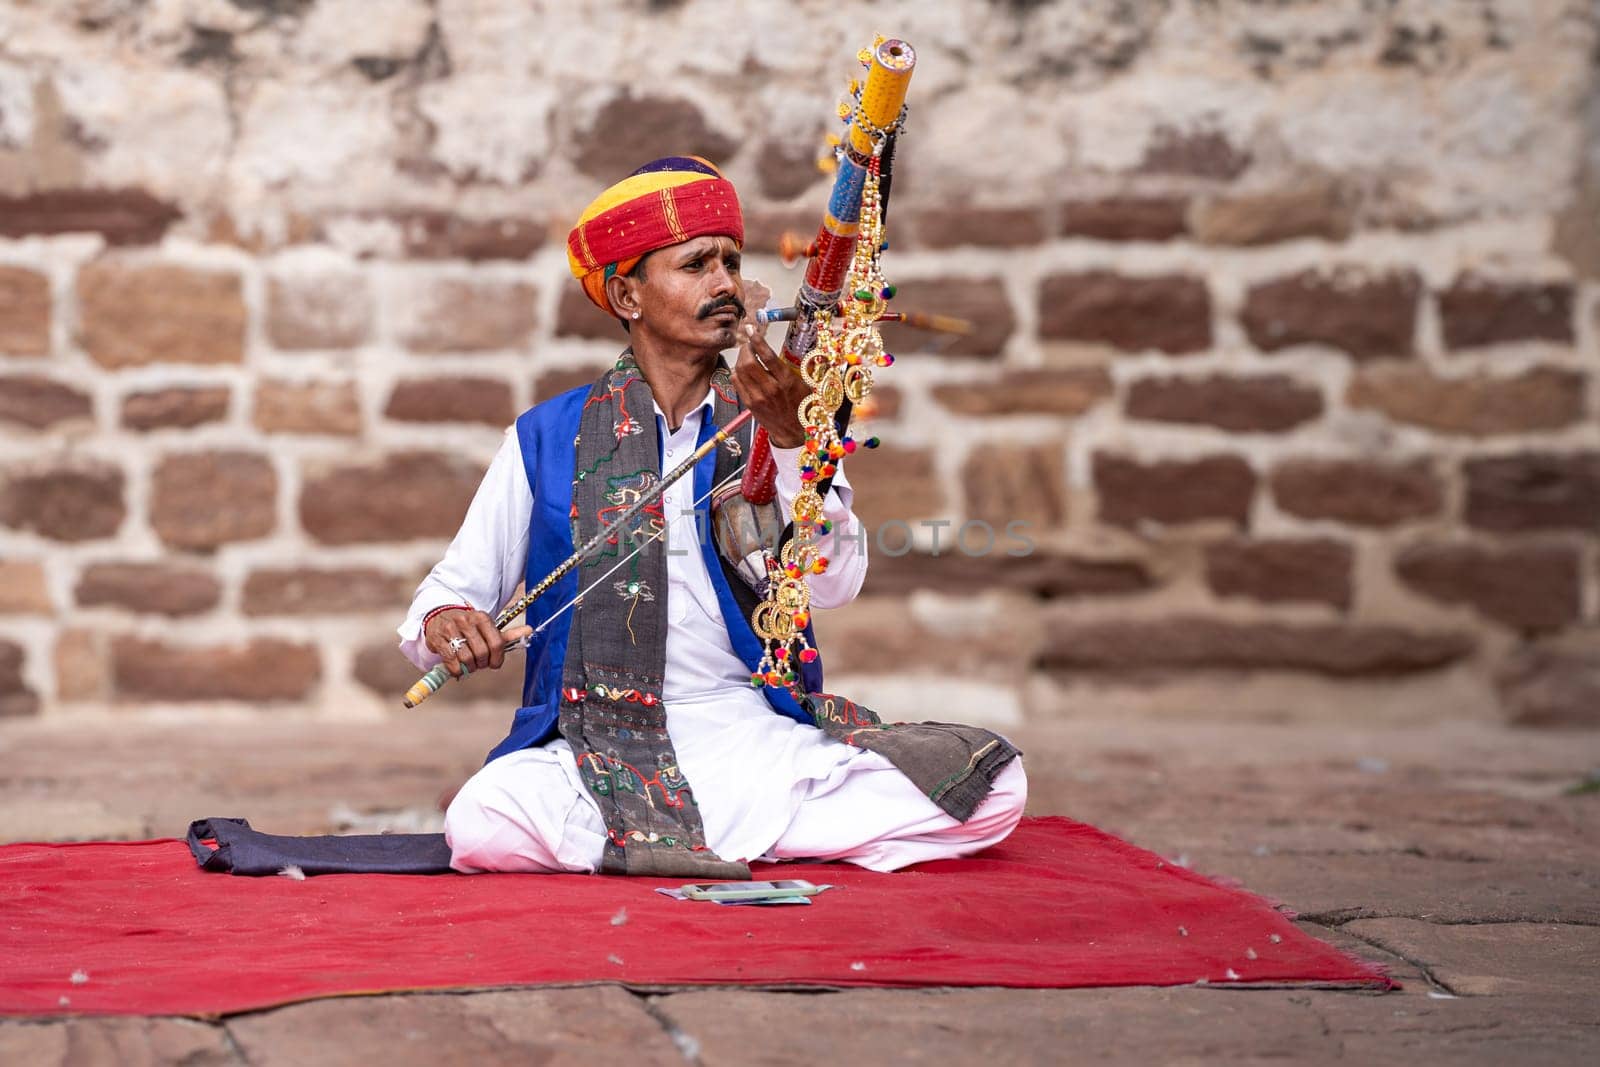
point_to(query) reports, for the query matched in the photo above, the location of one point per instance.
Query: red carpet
(144, 931)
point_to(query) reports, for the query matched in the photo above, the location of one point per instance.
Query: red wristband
(426, 619)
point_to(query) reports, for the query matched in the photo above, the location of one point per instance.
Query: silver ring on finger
(457, 644)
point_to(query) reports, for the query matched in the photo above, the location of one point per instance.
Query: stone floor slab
(1495, 958)
(516, 1027)
(1464, 1032)
(87, 1042)
(990, 1026)
(1338, 888)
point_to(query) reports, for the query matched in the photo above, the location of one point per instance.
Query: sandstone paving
(1463, 1031)
(1478, 959)
(1451, 854)
(538, 1026)
(1128, 1026)
(1340, 887)
(126, 1042)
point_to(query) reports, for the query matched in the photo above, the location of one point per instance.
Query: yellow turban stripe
(663, 203)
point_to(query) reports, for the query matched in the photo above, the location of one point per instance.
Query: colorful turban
(663, 203)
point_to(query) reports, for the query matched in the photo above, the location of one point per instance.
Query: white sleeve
(845, 548)
(484, 564)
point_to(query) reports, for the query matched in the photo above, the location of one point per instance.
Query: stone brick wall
(1286, 347)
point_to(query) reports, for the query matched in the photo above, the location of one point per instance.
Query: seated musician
(643, 747)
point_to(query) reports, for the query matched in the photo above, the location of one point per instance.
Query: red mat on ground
(138, 928)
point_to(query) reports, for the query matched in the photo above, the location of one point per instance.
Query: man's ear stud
(635, 314)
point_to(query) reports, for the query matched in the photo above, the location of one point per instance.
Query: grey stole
(611, 708)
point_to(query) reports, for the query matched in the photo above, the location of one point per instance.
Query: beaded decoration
(837, 368)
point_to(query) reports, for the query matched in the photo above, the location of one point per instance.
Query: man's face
(692, 294)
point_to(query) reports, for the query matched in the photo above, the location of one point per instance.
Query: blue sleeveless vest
(547, 434)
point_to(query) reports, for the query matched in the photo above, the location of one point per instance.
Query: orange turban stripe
(663, 203)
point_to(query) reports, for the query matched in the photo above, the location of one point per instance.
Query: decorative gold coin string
(839, 368)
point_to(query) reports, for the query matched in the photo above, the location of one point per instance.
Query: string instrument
(833, 339)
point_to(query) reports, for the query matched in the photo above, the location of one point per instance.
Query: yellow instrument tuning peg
(844, 110)
(864, 57)
(855, 86)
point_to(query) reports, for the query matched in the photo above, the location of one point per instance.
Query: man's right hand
(484, 646)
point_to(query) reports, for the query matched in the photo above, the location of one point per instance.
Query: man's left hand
(770, 386)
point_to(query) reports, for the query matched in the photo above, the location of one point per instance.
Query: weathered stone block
(955, 227)
(1530, 587)
(15, 696)
(121, 216)
(176, 408)
(22, 588)
(485, 400)
(308, 407)
(1070, 391)
(1046, 575)
(318, 310)
(1543, 398)
(1364, 314)
(77, 502)
(555, 382)
(576, 316)
(202, 500)
(39, 403)
(1553, 683)
(149, 588)
(894, 484)
(1016, 483)
(263, 669)
(464, 315)
(1169, 313)
(1126, 218)
(1173, 491)
(1194, 153)
(506, 145)
(24, 312)
(441, 235)
(630, 129)
(981, 301)
(1534, 491)
(1314, 208)
(1270, 403)
(1478, 311)
(1313, 570)
(133, 315)
(1360, 492)
(311, 591)
(400, 497)
(1197, 643)
(787, 166)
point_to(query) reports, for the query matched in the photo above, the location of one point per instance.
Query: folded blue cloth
(241, 850)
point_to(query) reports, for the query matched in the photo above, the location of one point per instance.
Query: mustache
(711, 307)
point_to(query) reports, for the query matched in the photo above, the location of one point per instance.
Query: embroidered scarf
(612, 712)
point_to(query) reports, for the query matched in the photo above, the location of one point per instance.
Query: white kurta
(751, 769)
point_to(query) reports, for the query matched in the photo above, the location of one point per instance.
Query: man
(642, 746)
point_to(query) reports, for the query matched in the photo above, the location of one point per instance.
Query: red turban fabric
(664, 203)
